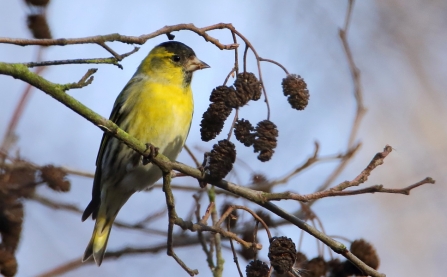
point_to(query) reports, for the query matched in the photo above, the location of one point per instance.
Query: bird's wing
(116, 116)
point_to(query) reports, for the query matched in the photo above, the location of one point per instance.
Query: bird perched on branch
(156, 107)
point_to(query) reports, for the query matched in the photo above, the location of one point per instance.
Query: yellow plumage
(156, 106)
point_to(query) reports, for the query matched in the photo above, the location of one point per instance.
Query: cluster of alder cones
(263, 137)
(284, 259)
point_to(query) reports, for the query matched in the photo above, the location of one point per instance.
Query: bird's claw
(202, 183)
(150, 153)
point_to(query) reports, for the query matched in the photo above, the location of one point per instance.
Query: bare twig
(207, 213)
(110, 50)
(235, 259)
(236, 115)
(110, 60)
(86, 80)
(172, 214)
(9, 138)
(274, 62)
(76, 263)
(193, 157)
(209, 256)
(236, 54)
(78, 172)
(360, 110)
(128, 39)
(233, 207)
(332, 193)
(355, 72)
(228, 76)
(218, 270)
(73, 208)
(340, 167)
(363, 176)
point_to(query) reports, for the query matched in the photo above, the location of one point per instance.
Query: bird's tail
(98, 243)
(106, 216)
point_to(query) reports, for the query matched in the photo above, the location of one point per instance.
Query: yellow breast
(160, 114)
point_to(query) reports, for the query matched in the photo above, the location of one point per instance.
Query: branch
(172, 214)
(73, 208)
(10, 136)
(363, 176)
(100, 40)
(76, 263)
(355, 73)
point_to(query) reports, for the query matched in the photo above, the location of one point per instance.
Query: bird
(156, 106)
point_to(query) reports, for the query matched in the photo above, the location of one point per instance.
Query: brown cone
(55, 178)
(282, 254)
(296, 89)
(257, 268)
(213, 120)
(37, 23)
(316, 267)
(40, 3)
(265, 142)
(221, 159)
(243, 132)
(364, 251)
(221, 94)
(247, 88)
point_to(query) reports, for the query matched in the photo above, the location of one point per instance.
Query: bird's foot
(150, 153)
(202, 183)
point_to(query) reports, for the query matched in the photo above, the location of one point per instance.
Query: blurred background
(399, 48)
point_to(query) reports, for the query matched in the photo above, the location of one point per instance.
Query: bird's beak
(194, 64)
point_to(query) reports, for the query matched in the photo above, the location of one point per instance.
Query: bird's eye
(176, 58)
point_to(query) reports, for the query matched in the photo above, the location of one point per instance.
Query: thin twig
(110, 60)
(245, 57)
(236, 116)
(86, 80)
(235, 259)
(238, 207)
(236, 55)
(207, 213)
(172, 214)
(128, 39)
(209, 256)
(275, 62)
(355, 72)
(218, 270)
(77, 263)
(50, 203)
(193, 157)
(228, 76)
(110, 50)
(9, 138)
(363, 176)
